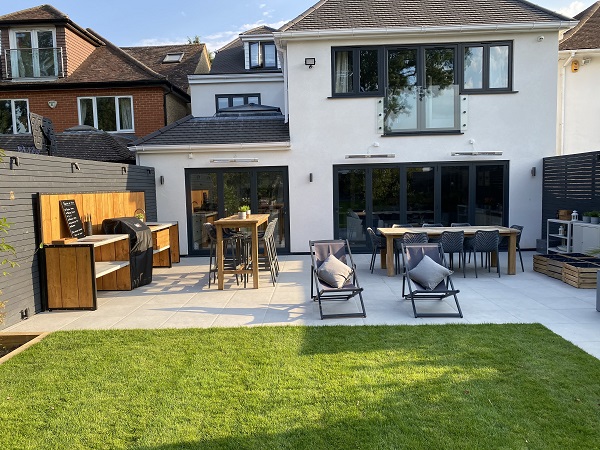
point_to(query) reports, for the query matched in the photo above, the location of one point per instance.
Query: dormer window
(262, 55)
(173, 58)
(33, 54)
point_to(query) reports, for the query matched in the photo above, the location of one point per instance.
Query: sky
(158, 22)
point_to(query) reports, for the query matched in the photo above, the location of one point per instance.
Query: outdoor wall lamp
(533, 170)
(14, 162)
(123, 170)
(74, 166)
(52, 103)
(310, 177)
(161, 179)
(310, 62)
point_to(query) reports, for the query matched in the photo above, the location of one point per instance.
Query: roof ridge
(257, 28)
(161, 46)
(585, 15)
(300, 17)
(122, 52)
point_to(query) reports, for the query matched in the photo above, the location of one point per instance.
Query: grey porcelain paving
(179, 297)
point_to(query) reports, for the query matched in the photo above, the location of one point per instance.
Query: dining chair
(453, 242)
(433, 225)
(231, 243)
(377, 243)
(485, 241)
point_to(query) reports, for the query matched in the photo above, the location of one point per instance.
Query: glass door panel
(270, 195)
(22, 62)
(401, 107)
(236, 192)
(441, 96)
(352, 205)
(386, 196)
(455, 194)
(420, 195)
(489, 195)
(203, 198)
(46, 58)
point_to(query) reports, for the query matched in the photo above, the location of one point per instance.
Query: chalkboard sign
(71, 215)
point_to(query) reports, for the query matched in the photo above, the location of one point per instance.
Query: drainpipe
(562, 102)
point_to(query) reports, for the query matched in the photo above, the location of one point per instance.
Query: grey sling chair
(428, 281)
(333, 277)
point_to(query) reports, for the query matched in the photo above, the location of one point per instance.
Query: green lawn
(430, 387)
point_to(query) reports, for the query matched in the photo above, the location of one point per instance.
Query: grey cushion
(428, 273)
(334, 272)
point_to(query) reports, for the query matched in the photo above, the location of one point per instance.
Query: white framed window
(111, 114)
(14, 116)
(33, 53)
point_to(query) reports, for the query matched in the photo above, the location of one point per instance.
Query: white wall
(582, 108)
(203, 95)
(522, 125)
(322, 130)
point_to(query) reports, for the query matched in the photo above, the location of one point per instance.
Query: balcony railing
(33, 63)
(419, 109)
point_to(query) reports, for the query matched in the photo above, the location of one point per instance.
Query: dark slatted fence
(19, 187)
(571, 182)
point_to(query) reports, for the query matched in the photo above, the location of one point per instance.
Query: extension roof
(220, 130)
(356, 14)
(586, 35)
(81, 142)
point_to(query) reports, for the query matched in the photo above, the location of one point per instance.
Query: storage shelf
(565, 240)
(106, 267)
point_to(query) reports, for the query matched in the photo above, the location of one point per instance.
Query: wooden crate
(540, 263)
(580, 274)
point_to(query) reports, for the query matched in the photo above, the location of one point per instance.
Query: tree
(195, 40)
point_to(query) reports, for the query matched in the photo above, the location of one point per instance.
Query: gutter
(208, 148)
(282, 36)
(561, 150)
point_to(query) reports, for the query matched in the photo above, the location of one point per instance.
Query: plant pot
(15, 343)
(587, 219)
(594, 219)
(242, 214)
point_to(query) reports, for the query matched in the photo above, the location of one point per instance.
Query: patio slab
(179, 297)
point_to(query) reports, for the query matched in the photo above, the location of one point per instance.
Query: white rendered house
(578, 87)
(398, 112)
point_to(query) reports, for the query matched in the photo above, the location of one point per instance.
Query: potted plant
(595, 217)
(586, 217)
(243, 211)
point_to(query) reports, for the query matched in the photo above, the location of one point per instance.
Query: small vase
(248, 213)
(242, 214)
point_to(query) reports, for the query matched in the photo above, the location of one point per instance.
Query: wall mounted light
(540, 38)
(533, 170)
(231, 160)
(586, 61)
(14, 162)
(123, 170)
(310, 62)
(190, 156)
(310, 177)
(370, 155)
(52, 103)
(74, 166)
(476, 153)
(161, 179)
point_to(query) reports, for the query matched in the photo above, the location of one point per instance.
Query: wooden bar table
(253, 222)
(387, 259)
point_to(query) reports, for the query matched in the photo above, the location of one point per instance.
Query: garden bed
(576, 269)
(12, 344)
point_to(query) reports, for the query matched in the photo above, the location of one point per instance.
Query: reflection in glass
(204, 207)
(386, 197)
(270, 191)
(441, 107)
(46, 60)
(21, 116)
(236, 187)
(107, 115)
(499, 66)
(401, 96)
(473, 68)
(420, 195)
(369, 75)
(455, 194)
(352, 202)
(489, 197)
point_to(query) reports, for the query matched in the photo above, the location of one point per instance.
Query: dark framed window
(486, 67)
(357, 71)
(229, 100)
(262, 55)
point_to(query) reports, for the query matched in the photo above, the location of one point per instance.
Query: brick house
(51, 66)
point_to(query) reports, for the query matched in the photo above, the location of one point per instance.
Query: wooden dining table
(387, 254)
(252, 222)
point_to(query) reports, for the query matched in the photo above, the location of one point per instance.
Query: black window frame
(356, 71)
(230, 98)
(485, 89)
(458, 67)
(261, 55)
